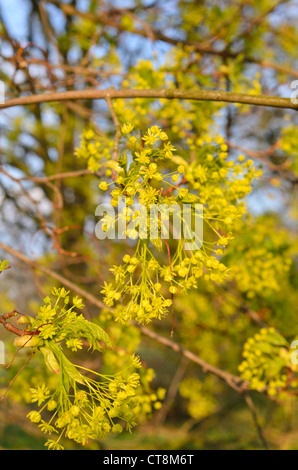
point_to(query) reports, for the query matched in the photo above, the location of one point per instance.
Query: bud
(103, 186)
(130, 190)
(24, 320)
(28, 341)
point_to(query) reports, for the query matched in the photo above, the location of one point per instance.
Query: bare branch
(161, 93)
(232, 380)
(253, 411)
(117, 126)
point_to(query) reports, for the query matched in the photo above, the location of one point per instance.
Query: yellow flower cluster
(265, 257)
(95, 405)
(289, 146)
(200, 402)
(143, 281)
(95, 148)
(266, 361)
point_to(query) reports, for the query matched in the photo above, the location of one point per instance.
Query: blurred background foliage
(245, 46)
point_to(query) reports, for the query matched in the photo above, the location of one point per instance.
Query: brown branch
(69, 174)
(17, 374)
(256, 21)
(202, 48)
(8, 326)
(172, 391)
(261, 154)
(264, 156)
(93, 300)
(117, 126)
(232, 380)
(259, 429)
(161, 93)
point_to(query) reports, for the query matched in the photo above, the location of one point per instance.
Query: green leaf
(90, 331)
(67, 367)
(50, 360)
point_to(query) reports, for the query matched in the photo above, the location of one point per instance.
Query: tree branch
(160, 93)
(232, 380)
(259, 429)
(93, 300)
(117, 126)
(201, 47)
(8, 326)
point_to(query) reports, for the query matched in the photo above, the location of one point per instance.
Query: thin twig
(202, 47)
(14, 378)
(54, 275)
(259, 429)
(8, 326)
(172, 391)
(117, 126)
(233, 381)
